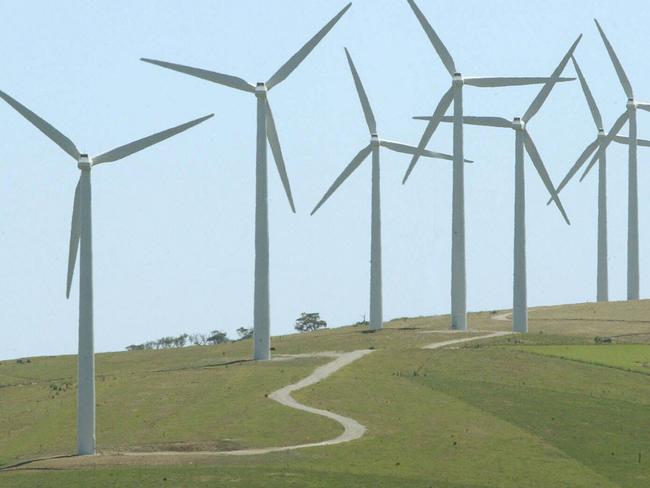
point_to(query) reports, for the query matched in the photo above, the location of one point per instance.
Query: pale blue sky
(173, 225)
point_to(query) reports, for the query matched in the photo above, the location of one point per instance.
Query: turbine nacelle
(261, 89)
(631, 103)
(374, 140)
(85, 162)
(457, 79)
(518, 124)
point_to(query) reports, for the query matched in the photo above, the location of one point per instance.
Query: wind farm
(266, 130)
(376, 316)
(443, 333)
(455, 95)
(523, 142)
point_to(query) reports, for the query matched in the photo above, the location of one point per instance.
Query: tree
(308, 322)
(217, 337)
(180, 341)
(244, 333)
(198, 339)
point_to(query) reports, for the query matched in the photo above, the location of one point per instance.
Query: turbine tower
(523, 142)
(81, 241)
(633, 193)
(376, 314)
(455, 94)
(598, 147)
(265, 130)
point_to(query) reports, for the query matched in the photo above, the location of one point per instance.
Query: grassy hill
(549, 408)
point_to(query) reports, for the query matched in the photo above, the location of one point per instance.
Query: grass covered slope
(548, 408)
(189, 399)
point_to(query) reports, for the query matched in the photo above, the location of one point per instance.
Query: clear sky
(173, 225)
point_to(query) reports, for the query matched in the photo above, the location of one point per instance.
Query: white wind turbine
(455, 94)
(265, 130)
(376, 314)
(523, 142)
(633, 191)
(600, 148)
(81, 240)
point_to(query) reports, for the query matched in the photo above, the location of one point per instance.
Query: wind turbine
(633, 191)
(523, 142)
(598, 147)
(376, 314)
(81, 240)
(265, 130)
(455, 94)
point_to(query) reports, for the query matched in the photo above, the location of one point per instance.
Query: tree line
(183, 340)
(307, 322)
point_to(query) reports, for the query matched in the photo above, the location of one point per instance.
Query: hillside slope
(549, 408)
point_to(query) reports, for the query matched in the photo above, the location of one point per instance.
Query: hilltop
(553, 407)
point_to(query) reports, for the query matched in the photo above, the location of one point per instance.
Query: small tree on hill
(244, 333)
(308, 322)
(217, 337)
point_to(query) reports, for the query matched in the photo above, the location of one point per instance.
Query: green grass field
(630, 357)
(545, 409)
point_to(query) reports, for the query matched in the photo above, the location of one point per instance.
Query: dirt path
(504, 316)
(438, 345)
(352, 429)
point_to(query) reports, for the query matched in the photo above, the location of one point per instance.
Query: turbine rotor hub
(457, 79)
(84, 163)
(601, 133)
(374, 140)
(630, 103)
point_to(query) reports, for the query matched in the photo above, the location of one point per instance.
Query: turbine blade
(472, 120)
(75, 235)
(589, 150)
(349, 169)
(498, 81)
(45, 127)
(625, 83)
(626, 140)
(287, 68)
(363, 98)
(438, 45)
(543, 174)
(135, 146)
(643, 106)
(274, 142)
(406, 149)
(220, 78)
(548, 86)
(595, 113)
(618, 125)
(438, 115)
(593, 160)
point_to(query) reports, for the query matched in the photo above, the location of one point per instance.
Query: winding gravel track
(438, 345)
(505, 316)
(352, 429)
